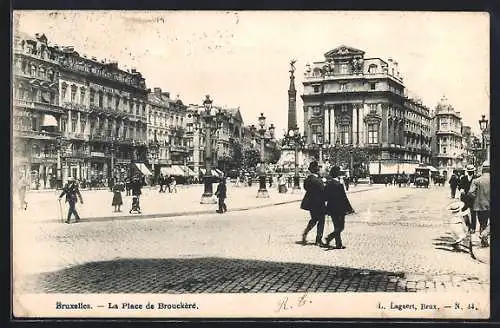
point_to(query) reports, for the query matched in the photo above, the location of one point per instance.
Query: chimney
(166, 94)
(133, 70)
(157, 91)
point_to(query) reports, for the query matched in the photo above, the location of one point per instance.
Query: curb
(186, 213)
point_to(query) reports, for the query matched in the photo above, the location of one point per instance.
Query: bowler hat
(470, 167)
(335, 171)
(455, 207)
(314, 167)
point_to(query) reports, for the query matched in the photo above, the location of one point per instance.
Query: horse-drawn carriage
(422, 177)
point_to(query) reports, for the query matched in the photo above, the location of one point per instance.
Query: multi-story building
(105, 117)
(228, 132)
(167, 139)
(36, 111)
(447, 148)
(86, 118)
(357, 102)
(417, 132)
(467, 146)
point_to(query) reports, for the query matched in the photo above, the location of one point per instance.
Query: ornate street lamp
(294, 139)
(485, 131)
(262, 192)
(211, 124)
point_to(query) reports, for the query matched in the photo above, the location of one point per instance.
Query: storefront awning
(143, 168)
(49, 120)
(214, 173)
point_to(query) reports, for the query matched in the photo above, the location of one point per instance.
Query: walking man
(453, 184)
(464, 187)
(338, 206)
(221, 195)
(72, 194)
(314, 202)
(480, 192)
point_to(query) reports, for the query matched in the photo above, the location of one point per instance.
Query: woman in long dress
(117, 195)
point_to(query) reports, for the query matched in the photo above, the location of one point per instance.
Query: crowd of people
(473, 205)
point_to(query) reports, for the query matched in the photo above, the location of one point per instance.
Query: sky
(242, 58)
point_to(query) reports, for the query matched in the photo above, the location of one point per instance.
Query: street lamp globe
(483, 123)
(262, 120)
(207, 103)
(272, 128)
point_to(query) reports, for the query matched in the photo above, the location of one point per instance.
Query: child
(136, 193)
(457, 222)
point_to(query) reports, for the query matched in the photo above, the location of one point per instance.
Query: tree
(251, 157)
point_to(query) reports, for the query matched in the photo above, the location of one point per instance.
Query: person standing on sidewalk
(118, 187)
(221, 194)
(480, 192)
(337, 207)
(314, 202)
(72, 195)
(22, 185)
(453, 184)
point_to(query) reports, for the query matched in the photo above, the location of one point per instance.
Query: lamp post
(210, 123)
(262, 192)
(293, 138)
(485, 131)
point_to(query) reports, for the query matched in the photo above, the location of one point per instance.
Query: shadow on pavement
(210, 275)
(445, 243)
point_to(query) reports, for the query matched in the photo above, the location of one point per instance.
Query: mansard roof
(344, 50)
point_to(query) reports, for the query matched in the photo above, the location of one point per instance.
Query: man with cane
(72, 194)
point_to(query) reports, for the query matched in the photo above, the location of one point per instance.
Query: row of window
(97, 99)
(345, 87)
(345, 131)
(35, 94)
(37, 71)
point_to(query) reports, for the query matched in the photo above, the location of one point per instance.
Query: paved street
(397, 241)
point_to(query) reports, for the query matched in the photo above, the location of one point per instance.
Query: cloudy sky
(242, 58)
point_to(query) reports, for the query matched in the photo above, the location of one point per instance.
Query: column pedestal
(208, 195)
(262, 192)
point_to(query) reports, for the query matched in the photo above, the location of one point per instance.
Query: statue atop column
(292, 67)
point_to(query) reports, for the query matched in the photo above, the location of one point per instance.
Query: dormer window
(316, 88)
(372, 69)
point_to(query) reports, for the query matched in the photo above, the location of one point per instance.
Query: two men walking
(320, 200)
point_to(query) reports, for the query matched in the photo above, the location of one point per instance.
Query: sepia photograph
(250, 164)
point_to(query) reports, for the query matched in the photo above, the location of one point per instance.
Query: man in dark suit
(453, 184)
(338, 206)
(464, 187)
(221, 195)
(314, 202)
(72, 195)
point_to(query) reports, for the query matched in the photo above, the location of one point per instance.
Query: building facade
(359, 103)
(91, 121)
(167, 140)
(228, 132)
(36, 112)
(448, 148)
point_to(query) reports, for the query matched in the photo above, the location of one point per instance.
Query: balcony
(44, 135)
(176, 148)
(50, 108)
(41, 157)
(76, 136)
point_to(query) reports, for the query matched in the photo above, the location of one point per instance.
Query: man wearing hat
(338, 206)
(480, 192)
(314, 202)
(464, 187)
(72, 194)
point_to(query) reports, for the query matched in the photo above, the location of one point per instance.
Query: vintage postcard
(250, 164)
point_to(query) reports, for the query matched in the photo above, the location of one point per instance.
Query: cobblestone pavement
(397, 241)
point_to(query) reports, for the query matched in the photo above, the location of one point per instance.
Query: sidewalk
(44, 207)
